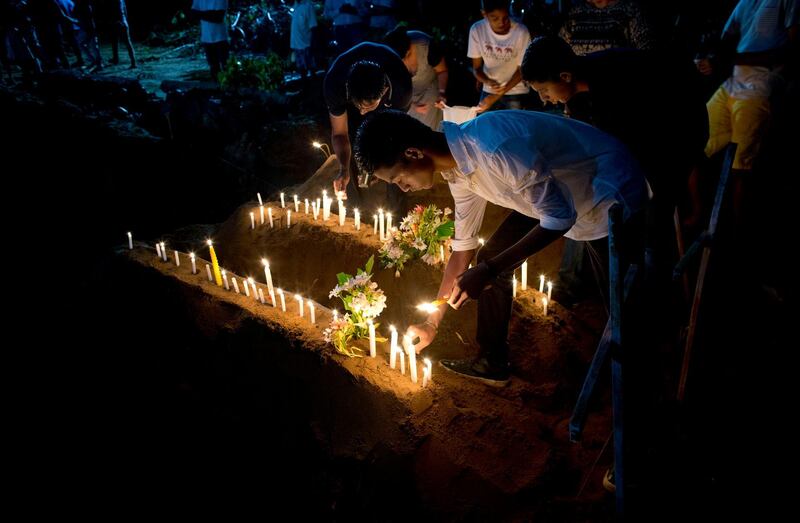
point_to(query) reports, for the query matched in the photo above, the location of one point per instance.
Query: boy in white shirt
(213, 32)
(304, 19)
(496, 45)
(558, 176)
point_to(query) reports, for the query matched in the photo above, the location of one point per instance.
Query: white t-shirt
(502, 54)
(210, 32)
(563, 172)
(303, 19)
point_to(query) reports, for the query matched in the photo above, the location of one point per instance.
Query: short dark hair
(546, 58)
(365, 81)
(398, 40)
(493, 5)
(384, 136)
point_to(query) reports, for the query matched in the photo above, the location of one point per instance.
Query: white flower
(420, 245)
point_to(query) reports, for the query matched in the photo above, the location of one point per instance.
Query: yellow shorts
(742, 122)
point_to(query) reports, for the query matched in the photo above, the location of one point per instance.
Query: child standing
(304, 19)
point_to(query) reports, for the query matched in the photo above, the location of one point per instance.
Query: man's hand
(425, 332)
(487, 102)
(469, 285)
(421, 108)
(341, 181)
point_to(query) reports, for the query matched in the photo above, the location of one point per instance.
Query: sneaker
(608, 480)
(478, 369)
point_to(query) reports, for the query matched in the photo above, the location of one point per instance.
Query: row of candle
(524, 285)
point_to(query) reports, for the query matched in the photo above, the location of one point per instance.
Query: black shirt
(335, 85)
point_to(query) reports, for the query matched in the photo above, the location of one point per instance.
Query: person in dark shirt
(367, 77)
(647, 100)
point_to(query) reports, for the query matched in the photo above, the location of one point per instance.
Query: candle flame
(317, 145)
(369, 322)
(298, 297)
(209, 242)
(391, 328)
(264, 262)
(251, 280)
(430, 307)
(191, 255)
(481, 241)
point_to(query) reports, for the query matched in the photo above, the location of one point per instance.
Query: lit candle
(164, 251)
(252, 220)
(342, 214)
(260, 201)
(335, 315)
(261, 210)
(481, 242)
(412, 357)
(312, 312)
(177, 259)
(235, 285)
(381, 223)
(246, 287)
(296, 204)
(427, 369)
(393, 347)
(388, 223)
(288, 218)
(299, 304)
(208, 271)
(194, 262)
(319, 203)
(225, 277)
(252, 283)
(130, 241)
(514, 286)
(272, 298)
(283, 202)
(357, 217)
(525, 275)
(544, 306)
(341, 195)
(541, 283)
(306, 206)
(315, 209)
(371, 338)
(267, 274)
(269, 213)
(158, 250)
(261, 296)
(402, 361)
(283, 300)
(375, 227)
(549, 290)
(214, 263)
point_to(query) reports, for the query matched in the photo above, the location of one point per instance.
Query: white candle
(375, 227)
(289, 218)
(246, 287)
(208, 271)
(402, 361)
(312, 312)
(269, 213)
(388, 224)
(296, 204)
(283, 300)
(357, 217)
(514, 286)
(371, 338)
(130, 241)
(235, 285)
(177, 259)
(381, 224)
(252, 283)
(260, 201)
(306, 206)
(544, 306)
(272, 298)
(525, 275)
(541, 283)
(393, 347)
(194, 263)
(261, 210)
(267, 274)
(549, 290)
(412, 357)
(335, 315)
(252, 220)
(158, 250)
(164, 251)
(283, 202)
(441, 252)
(341, 195)
(315, 209)
(342, 214)
(225, 279)
(261, 296)
(299, 304)
(427, 369)
(316, 213)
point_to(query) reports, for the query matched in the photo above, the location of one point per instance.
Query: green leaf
(446, 229)
(370, 263)
(342, 278)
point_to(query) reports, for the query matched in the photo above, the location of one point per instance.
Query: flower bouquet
(420, 235)
(363, 301)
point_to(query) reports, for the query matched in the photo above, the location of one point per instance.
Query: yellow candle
(215, 264)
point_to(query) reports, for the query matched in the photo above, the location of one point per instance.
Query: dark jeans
(121, 31)
(217, 56)
(494, 303)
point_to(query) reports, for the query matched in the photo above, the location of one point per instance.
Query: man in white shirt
(559, 177)
(213, 32)
(496, 46)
